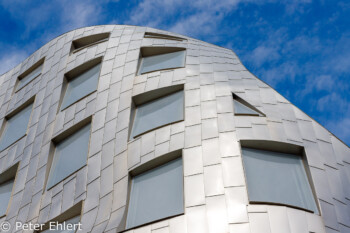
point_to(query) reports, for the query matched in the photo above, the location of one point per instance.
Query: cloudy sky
(299, 47)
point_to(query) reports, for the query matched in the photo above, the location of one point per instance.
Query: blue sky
(300, 47)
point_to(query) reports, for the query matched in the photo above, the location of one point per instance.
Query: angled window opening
(70, 217)
(80, 82)
(277, 173)
(243, 108)
(7, 181)
(161, 58)
(15, 125)
(154, 35)
(68, 153)
(30, 74)
(155, 109)
(156, 191)
(88, 41)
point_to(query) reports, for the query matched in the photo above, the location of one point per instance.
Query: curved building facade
(132, 129)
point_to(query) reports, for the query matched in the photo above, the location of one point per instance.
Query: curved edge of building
(131, 129)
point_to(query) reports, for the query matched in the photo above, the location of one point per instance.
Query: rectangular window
(30, 74)
(280, 178)
(87, 41)
(67, 222)
(69, 156)
(29, 77)
(15, 127)
(81, 85)
(156, 194)
(7, 180)
(5, 195)
(154, 35)
(161, 59)
(158, 112)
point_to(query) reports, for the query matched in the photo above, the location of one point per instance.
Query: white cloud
(280, 73)
(302, 45)
(12, 59)
(324, 82)
(331, 102)
(192, 18)
(153, 12)
(296, 5)
(69, 14)
(338, 127)
(262, 54)
(197, 25)
(79, 14)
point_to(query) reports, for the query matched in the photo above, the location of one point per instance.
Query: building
(133, 129)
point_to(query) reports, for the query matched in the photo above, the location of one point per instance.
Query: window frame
(160, 36)
(246, 104)
(75, 73)
(14, 112)
(6, 176)
(85, 41)
(143, 168)
(57, 140)
(74, 211)
(280, 147)
(148, 97)
(27, 72)
(155, 51)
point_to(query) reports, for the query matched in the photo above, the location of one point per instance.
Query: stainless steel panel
(217, 214)
(211, 152)
(193, 161)
(232, 170)
(196, 219)
(194, 190)
(259, 223)
(213, 180)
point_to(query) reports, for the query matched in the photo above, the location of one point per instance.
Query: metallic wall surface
(215, 192)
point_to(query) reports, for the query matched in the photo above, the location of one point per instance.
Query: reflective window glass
(29, 77)
(15, 127)
(70, 155)
(158, 112)
(5, 195)
(243, 109)
(274, 177)
(81, 86)
(156, 194)
(163, 61)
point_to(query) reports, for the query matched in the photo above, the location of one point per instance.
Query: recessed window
(5, 195)
(67, 222)
(242, 107)
(7, 180)
(155, 58)
(158, 112)
(15, 127)
(156, 194)
(162, 36)
(70, 155)
(279, 178)
(81, 85)
(30, 74)
(87, 41)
